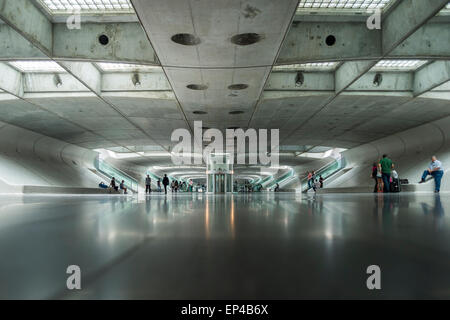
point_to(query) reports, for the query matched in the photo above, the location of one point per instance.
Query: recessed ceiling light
(343, 5)
(321, 66)
(402, 65)
(124, 67)
(37, 66)
(199, 112)
(87, 6)
(236, 112)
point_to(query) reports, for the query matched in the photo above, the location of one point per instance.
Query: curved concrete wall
(410, 151)
(31, 159)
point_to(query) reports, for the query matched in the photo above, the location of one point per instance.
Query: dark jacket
(165, 181)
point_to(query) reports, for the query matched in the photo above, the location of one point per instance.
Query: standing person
(395, 182)
(321, 182)
(436, 170)
(148, 183)
(172, 186)
(386, 167)
(374, 176)
(191, 185)
(165, 183)
(159, 185)
(309, 179)
(380, 184)
(176, 186)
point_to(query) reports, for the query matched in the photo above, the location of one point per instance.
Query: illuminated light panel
(351, 5)
(446, 10)
(307, 66)
(37, 66)
(404, 65)
(87, 6)
(124, 67)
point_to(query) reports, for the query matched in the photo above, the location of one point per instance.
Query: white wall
(410, 151)
(31, 159)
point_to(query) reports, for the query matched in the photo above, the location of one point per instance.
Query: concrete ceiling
(336, 108)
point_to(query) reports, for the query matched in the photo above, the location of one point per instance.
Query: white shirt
(436, 164)
(394, 174)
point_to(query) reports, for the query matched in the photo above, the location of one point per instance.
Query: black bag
(395, 185)
(404, 181)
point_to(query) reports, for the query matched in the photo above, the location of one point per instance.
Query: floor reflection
(250, 246)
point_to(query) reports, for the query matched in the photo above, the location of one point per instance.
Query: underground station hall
(214, 150)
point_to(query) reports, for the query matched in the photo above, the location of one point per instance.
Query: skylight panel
(87, 6)
(124, 67)
(318, 66)
(36, 66)
(403, 65)
(343, 5)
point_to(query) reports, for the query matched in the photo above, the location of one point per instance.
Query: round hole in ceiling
(244, 39)
(236, 112)
(199, 112)
(330, 40)
(186, 39)
(238, 86)
(103, 39)
(197, 86)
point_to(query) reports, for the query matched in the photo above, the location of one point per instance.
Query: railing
(326, 171)
(282, 180)
(119, 175)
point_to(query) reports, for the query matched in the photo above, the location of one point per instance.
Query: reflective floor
(255, 246)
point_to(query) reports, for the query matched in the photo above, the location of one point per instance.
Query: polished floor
(249, 246)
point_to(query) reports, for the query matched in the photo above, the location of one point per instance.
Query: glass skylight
(124, 67)
(404, 65)
(359, 5)
(87, 6)
(328, 66)
(36, 66)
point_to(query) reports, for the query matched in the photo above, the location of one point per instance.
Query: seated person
(113, 184)
(102, 185)
(277, 188)
(435, 170)
(122, 187)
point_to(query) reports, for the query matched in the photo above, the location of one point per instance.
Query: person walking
(379, 175)
(386, 167)
(374, 176)
(436, 170)
(159, 185)
(321, 180)
(148, 183)
(165, 183)
(309, 178)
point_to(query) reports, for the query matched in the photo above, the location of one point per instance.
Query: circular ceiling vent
(199, 112)
(186, 39)
(245, 39)
(236, 112)
(103, 39)
(330, 40)
(239, 86)
(197, 86)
